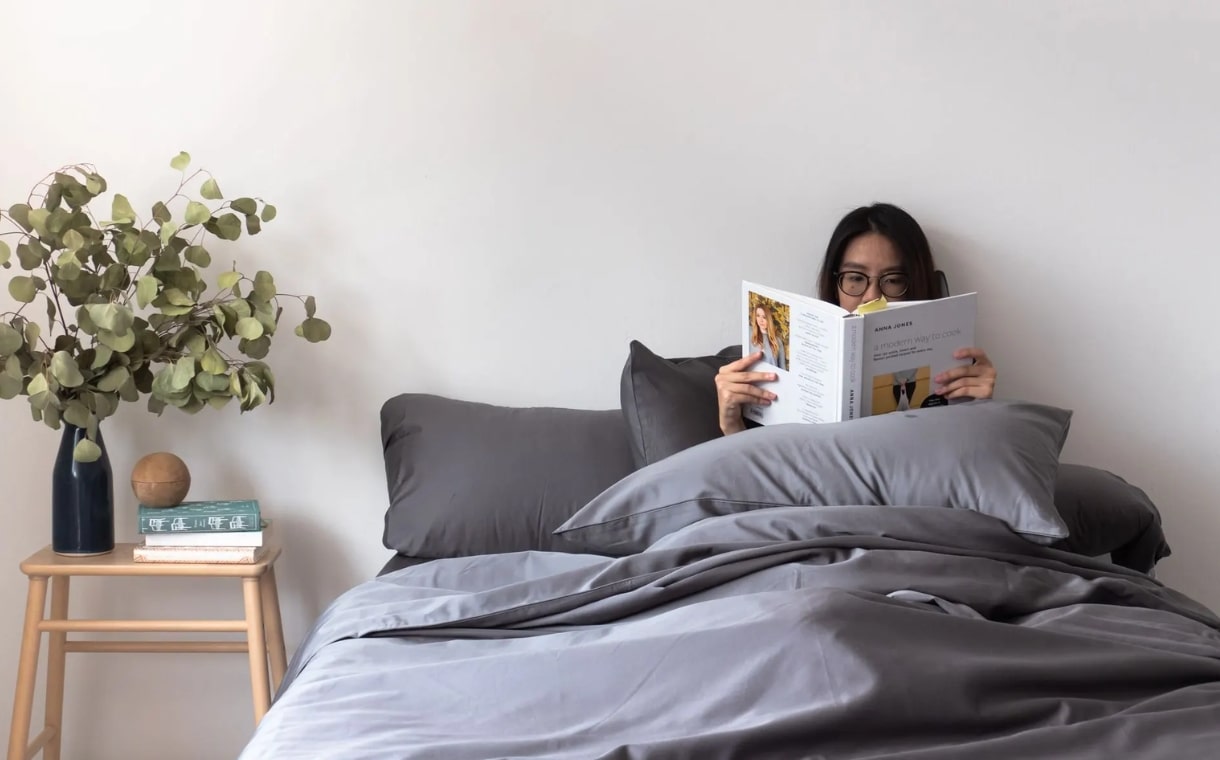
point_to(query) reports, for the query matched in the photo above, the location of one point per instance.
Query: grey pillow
(1105, 514)
(669, 404)
(468, 478)
(996, 457)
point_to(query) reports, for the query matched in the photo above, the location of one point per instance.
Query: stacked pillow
(611, 481)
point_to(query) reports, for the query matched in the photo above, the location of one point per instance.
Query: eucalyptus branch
(59, 309)
(134, 328)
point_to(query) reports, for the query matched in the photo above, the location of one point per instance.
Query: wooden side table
(262, 626)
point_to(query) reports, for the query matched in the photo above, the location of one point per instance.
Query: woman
(875, 251)
(765, 338)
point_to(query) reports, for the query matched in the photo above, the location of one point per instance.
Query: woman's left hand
(976, 380)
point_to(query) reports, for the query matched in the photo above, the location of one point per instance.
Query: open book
(835, 365)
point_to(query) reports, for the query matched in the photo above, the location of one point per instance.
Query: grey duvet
(833, 632)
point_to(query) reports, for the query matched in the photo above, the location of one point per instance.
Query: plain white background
(489, 200)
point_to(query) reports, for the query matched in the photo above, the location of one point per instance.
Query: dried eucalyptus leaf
(264, 286)
(76, 413)
(113, 380)
(211, 190)
(10, 340)
(249, 328)
(22, 289)
(121, 210)
(180, 161)
(65, 371)
(86, 451)
(197, 213)
(314, 330)
(146, 290)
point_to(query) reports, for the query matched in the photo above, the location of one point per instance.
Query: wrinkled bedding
(795, 632)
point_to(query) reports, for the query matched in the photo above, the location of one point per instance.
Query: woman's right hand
(735, 387)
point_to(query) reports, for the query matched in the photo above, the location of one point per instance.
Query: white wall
(490, 199)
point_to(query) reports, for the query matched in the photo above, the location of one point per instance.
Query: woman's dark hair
(902, 231)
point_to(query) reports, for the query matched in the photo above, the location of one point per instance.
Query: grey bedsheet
(841, 632)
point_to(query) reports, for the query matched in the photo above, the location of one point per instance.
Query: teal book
(201, 517)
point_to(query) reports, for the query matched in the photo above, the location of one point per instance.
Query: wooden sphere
(160, 479)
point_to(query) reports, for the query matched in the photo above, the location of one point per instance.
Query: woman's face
(760, 318)
(872, 255)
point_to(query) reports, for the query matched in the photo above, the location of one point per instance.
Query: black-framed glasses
(893, 284)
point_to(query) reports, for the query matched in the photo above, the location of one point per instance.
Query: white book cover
(833, 365)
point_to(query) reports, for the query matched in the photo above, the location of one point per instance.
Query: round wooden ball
(160, 479)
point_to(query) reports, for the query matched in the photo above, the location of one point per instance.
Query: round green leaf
(77, 413)
(180, 161)
(311, 306)
(161, 213)
(168, 230)
(245, 206)
(213, 363)
(22, 289)
(146, 290)
(211, 190)
(314, 330)
(10, 340)
(38, 220)
(199, 256)
(6, 253)
(113, 380)
(268, 212)
(121, 210)
(255, 349)
(95, 183)
(69, 267)
(9, 387)
(73, 241)
(225, 226)
(264, 286)
(38, 384)
(184, 373)
(86, 451)
(121, 343)
(32, 333)
(249, 328)
(177, 297)
(65, 371)
(228, 279)
(197, 213)
(101, 356)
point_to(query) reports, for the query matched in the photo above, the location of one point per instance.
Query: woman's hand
(976, 380)
(734, 387)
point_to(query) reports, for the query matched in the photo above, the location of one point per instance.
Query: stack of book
(201, 531)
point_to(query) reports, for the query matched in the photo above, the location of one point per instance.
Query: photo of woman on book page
(769, 321)
(874, 251)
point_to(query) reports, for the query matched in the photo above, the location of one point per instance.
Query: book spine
(196, 554)
(211, 523)
(853, 370)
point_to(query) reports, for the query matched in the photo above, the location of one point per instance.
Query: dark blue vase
(82, 499)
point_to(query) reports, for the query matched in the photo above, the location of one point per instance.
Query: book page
(803, 347)
(908, 344)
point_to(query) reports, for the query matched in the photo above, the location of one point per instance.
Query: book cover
(833, 365)
(201, 516)
(208, 555)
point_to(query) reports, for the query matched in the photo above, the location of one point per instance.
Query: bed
(626, 583)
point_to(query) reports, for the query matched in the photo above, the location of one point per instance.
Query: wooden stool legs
(27, 668)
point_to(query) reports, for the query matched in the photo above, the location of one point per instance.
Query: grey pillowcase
(1107, 515)
(468, 478)
(996, 457)
(670, 404)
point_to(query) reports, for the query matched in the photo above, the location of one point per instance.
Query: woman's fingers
(976, 380)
